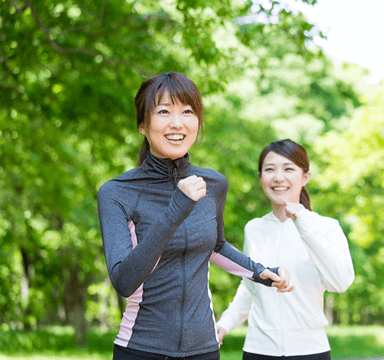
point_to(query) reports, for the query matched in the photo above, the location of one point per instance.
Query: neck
(279, 211)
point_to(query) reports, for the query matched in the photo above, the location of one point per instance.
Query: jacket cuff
(179, 207)
(267, 282)
(304, 220)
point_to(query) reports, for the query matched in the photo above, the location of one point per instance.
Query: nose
(279, 176)
(176, 121)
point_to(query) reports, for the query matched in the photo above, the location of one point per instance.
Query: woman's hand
(220, 334)
(286, 283)
(291, 209)
(193, 186)
(268, 274)
(283, 282)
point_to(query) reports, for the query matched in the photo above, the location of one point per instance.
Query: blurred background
(69, 71)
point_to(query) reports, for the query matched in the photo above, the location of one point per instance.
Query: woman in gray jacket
(176, 210)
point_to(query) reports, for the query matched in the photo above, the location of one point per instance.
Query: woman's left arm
(327, 247)
(235, 262)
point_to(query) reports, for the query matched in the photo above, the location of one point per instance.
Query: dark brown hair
(151, 91)
(294, 152)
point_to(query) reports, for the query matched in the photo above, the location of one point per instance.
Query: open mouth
(279, 188)
(175, 137)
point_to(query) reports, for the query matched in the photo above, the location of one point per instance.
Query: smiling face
(282, 179)
(172, 129)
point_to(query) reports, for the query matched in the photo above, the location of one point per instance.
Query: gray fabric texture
(175, 316)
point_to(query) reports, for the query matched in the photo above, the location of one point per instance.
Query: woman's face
(172, 129)
(282, 179)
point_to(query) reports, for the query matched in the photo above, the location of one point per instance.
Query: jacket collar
(272, 217)
(165, 168)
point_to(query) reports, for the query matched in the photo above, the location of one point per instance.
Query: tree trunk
(74, 303)
(25, 282)
(104, 313)
(328, 308)
(366, 316)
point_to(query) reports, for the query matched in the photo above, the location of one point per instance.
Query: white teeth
(175, 137)
(280, 188)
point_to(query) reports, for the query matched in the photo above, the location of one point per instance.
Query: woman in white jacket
(313, 247)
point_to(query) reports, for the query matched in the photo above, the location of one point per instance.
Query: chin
(177, 155)
(279, 201)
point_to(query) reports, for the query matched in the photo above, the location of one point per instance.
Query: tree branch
(89, 26)
(3, 59)
(47, 31)
(122, 22)
(19, 10)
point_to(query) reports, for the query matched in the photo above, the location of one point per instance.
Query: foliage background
(69, 71)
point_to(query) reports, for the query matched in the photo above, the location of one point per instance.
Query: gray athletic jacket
(162, 266)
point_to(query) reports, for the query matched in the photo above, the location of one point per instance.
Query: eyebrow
(169, 104)
(269, 164)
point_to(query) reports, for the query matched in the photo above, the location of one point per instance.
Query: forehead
(165, 98)
(275, 159)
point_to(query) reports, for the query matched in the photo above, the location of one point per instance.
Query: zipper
(282, 347)
(183, 266)
(174, 175)
(184, 289)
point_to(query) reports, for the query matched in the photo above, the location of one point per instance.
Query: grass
(347, 342)
(358, 342)
(57, 343)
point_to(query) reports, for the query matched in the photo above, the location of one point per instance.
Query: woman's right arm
(128, 268)
(238, 309)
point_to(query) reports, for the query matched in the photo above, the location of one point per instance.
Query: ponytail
(143, 152)
(304, 199)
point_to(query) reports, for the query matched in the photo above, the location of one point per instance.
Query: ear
(306, 178)
(142, 129)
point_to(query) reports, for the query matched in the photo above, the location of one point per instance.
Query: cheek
(193, 123)
(193, 128)
(155, 130)
(265, 182)
(298, 181)
(297, 184)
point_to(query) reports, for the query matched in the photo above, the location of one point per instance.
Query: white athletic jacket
(315, 251)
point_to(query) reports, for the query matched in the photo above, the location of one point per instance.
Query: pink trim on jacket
(133, 303)
(230, 266)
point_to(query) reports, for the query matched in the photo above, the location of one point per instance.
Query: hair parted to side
(294, 152)
(150, 94)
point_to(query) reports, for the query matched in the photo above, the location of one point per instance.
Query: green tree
(351, 189)
(69, 71)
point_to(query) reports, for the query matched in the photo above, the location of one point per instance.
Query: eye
(163, 111)
(188, 111)
(268, 169)
(290, 169)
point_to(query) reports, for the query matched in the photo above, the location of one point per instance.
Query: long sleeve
(128, 268)
(238, 310)
(227, 256)
(328, 249)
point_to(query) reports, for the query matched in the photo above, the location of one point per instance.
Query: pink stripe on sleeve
(230, 266)
(131, 226)
(133, 304)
